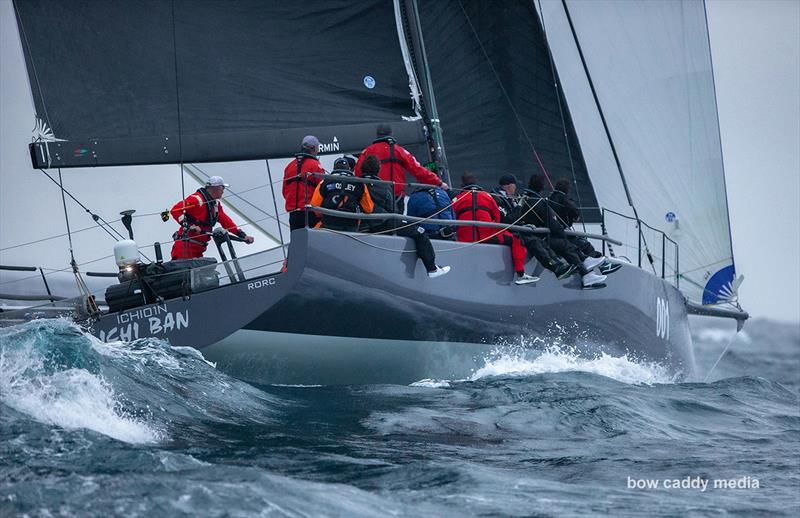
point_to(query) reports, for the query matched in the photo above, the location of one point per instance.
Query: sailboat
(552, 88)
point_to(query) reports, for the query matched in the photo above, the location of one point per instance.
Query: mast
(607, 131)
(420, 61)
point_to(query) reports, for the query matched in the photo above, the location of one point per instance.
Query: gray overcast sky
(756, 53)
(755, 46)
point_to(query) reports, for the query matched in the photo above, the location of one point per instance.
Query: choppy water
(142, 429)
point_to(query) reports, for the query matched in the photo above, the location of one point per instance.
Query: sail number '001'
(662, 318)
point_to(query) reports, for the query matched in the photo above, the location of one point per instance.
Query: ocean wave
(44, 374)
(139, 392)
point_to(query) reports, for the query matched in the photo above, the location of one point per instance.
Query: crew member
(383, 196)
(339, 194)
(299, 182)
(432, 203)
(508, 202)
(395, 161)
(197, 215)
(477, 205)
(568, 213)
(536, 211)
(505, 196)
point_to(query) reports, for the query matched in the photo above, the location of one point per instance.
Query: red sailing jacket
(201, 210)
(476, 205)
(394, 168)
(298, 189)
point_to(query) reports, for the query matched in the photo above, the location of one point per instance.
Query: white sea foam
(71, 399)
(294, 385)
(620, 368)
(429, 383)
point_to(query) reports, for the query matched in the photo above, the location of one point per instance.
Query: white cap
(216, 181)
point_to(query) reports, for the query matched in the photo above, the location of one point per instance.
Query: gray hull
(361, 309)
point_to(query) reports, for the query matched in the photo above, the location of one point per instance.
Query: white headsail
(651, 67)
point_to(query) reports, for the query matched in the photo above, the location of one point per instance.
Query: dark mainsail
(159, 81)
(494, 85)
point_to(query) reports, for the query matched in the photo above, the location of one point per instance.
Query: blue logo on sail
(369, 82)
(719, 287)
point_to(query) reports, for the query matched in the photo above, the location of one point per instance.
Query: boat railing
(456, 222)
(669, 268)
(29, 296)
(205, 278)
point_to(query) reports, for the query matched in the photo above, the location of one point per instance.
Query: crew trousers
(422, 242)
(584, 246)
(539, 249)
(518, 250)
(568, 251)
(297, 219)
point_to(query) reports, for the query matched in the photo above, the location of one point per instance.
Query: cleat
(609, 267)
(593, 262)
(564, 272)
(438, 272)
(592, 280)
(526, 279)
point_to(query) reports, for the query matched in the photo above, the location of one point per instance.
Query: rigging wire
(705, 380)
(91, 305)
(66, 216)
(275, 203)
(505, 93)
(97, 219)
(608, 134)
(561, 113)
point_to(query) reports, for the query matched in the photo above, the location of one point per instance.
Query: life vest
(478, 205)
(391, 159)
(535, 210)
(339, 194)
(298, 184)
(211, 212)
(506, 205)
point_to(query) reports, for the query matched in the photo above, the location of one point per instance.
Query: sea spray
(528, 356)
(37, 379)
(142, 391)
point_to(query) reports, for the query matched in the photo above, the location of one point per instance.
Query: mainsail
(500, 108)
(201, 80)
(650, 63)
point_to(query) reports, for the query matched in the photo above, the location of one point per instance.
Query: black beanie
(507, 179)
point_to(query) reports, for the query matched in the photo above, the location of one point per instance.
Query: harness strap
(298, 179)
(473, 209)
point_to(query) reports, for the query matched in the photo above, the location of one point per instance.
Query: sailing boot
(564, 271)
(591, 263)
(438, 272)
(609, 267)
(592, 281)
(524, 278)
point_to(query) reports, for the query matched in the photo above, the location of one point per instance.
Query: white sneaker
(526, 279)
(592, 279)
(592, 262)
(438, 272)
